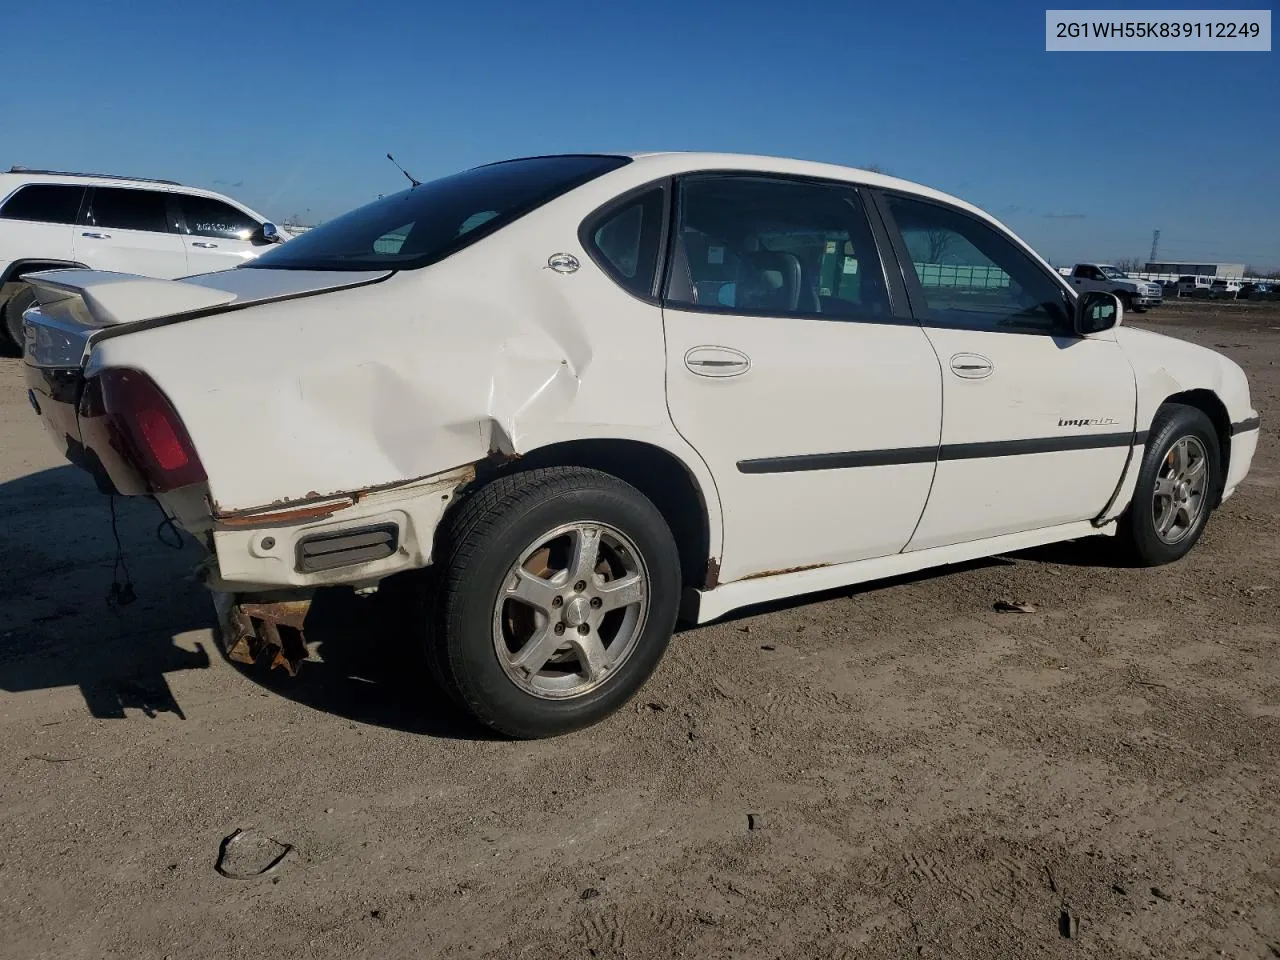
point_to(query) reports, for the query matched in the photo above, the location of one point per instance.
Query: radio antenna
(412, 179)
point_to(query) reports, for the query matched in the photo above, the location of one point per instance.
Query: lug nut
(559, 628)
(580, 586)
(584, 629)
(557, 601)
(596, 602)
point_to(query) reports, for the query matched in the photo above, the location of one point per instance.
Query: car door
(1037, 421)
(1086, 278)
(39, 219)
(217, 236)
(815, 403)
(130, 230)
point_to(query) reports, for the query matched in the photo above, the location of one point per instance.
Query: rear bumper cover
(259, 551)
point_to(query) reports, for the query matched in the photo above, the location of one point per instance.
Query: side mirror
(1096, 312)
(267, 233)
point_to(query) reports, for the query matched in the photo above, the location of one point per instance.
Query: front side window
(44, 203)
(427, 223)
(749, 244)
(207, 217)
(625, 239)
(974, 277)
(124, 209)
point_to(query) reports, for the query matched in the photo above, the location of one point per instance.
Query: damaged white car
(584, 395)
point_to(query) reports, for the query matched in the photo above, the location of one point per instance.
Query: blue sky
(291, 106)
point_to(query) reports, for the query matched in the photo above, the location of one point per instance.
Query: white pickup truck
(1135, 294)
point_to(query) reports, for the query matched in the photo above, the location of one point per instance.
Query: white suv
(156, 228)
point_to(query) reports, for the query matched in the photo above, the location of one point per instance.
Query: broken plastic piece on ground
(1068, 924)
(244, 855)
(1015, 606)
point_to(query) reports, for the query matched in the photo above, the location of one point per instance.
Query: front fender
(1164, 366)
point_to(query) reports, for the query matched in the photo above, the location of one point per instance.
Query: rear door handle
(204, 244)
(712, 361)
(96, 236)
(971, 366)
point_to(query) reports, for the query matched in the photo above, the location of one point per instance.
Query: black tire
(476, 551)
(1138, 534)
(1126, 301)
(13, 309)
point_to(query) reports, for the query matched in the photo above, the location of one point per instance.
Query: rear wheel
(13, 309)
(1177, 484)
(557, 596)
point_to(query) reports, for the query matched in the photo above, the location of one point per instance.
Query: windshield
(1112, 273)
(429, 222)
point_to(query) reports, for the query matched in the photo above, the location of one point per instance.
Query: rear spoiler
(74, 306)
(113, 298)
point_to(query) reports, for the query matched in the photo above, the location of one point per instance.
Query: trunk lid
(75, 308)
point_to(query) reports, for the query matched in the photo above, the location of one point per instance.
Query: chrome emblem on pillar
(563, 262)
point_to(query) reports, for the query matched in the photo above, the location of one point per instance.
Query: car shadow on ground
(58, 629)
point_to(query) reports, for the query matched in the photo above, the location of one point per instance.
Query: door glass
(207, 217)
(975, 278)
(775, 247)
(44, 203)
(626, 242)
(129, 209)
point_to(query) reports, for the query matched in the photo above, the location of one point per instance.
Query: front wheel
(558, 594)
(1179, 479)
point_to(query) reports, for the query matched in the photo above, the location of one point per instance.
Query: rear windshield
(429, 222)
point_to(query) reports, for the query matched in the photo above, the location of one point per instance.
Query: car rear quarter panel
(486, 352)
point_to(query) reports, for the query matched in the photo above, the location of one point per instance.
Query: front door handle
(712, 361)
(96, 236)
(971, 366)
(204, 244)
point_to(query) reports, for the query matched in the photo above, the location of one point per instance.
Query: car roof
(689, 162)
(20, 175)
(15, 177)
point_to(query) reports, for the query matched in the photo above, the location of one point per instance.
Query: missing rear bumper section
(256, 629)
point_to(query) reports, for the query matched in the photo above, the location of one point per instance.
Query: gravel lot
(892, 771)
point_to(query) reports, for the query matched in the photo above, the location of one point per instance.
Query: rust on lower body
(778, 573)
(252, 630)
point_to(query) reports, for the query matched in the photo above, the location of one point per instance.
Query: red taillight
(147, 424)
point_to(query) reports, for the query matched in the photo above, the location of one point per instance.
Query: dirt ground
(891, 771)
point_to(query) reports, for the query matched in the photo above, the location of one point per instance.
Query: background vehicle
(688, 382)
(1135, 294)
(154, 228)
(1223, 289)
(1193, 286)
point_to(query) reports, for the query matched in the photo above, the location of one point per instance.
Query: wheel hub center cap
(576, 611)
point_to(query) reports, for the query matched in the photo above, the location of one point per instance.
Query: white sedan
(583, 395)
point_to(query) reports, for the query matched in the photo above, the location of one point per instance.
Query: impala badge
(1086, 422)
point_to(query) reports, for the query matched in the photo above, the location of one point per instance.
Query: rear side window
(624, 240)
(129, 209)
(207, 217)
(427, 223)
(44, 203)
